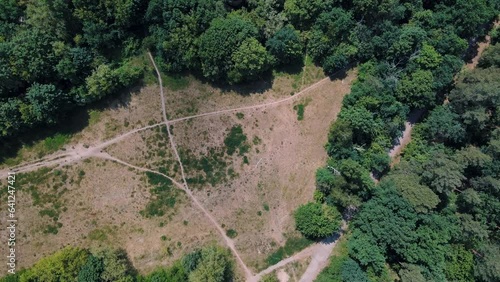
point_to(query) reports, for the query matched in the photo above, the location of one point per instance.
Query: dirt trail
(480, 48)
(68, 156)
(79, 153)
(319, 253)
(395, 152)
(312, 86)
(229, 241)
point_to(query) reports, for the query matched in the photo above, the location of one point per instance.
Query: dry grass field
(250, 169)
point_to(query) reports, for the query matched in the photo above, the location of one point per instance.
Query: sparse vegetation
(240, 115)
(292, 245)
(163, 196)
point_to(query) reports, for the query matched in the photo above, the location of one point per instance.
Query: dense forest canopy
(59, 54)
(434, 217)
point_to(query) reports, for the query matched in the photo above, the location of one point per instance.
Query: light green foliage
(302, 14)
(315, 220)
(64, 265)
(101, 83)
(215, 265)
(459, 264)
(216, 54)
(249, 61)
(416, 89)
(428, 58)
(269, 278)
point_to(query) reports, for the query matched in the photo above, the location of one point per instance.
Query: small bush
(231, 233)
(56, 142)
(300, 111)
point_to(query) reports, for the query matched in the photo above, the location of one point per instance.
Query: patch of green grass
(231, 233)
(52, 229)
(94, 116)
(236, 140)
(54, 214)
(300, 111)
(292, 246)
(164, 196)
(56, 142)
(240, 115)
(174, 82)
(98, 235)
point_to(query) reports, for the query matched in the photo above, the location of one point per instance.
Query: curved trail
(319, 253)
(229, 242)
(80, 153)
(312, 86)
(50, 160)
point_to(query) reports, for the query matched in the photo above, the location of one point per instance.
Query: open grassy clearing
(99, 203)
(149, 149)
(254, 190)
(187, 96)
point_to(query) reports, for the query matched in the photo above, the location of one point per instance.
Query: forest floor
(253, 194)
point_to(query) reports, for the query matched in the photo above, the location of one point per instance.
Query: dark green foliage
(163, 196)
(45, 104)
(236, 140)
(315, 220)
(443, 125)
(285, 46)
(91, 270)
(351, 271)
(231, 233)
(487, 264)
(191, 260)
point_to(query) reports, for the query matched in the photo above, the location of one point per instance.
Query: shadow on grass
(70, 123)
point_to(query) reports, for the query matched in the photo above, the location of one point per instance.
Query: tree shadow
(257, 86)
(73, 121)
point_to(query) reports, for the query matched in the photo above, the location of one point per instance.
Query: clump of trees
(211, 263)
(438, 206)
